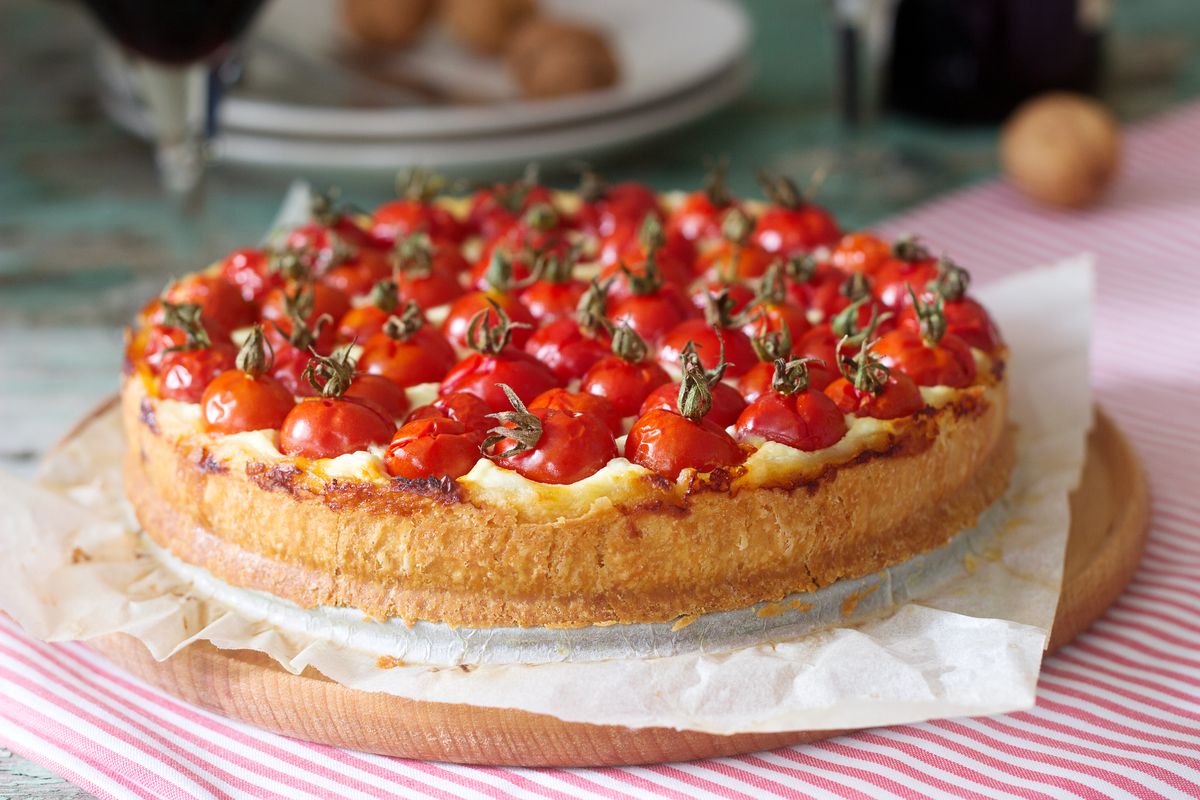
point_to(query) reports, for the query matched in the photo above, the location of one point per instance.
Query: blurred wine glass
(857, 172)
(176, 48)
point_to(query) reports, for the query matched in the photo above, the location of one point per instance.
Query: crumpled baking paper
(73, 570)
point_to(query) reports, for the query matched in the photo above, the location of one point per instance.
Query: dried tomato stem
(526, 428)
(330, 375)
(401, 328)
(772, 345)
(627, 345)
(186, 317)
(257, 355)
(791, 377)
(491, 339)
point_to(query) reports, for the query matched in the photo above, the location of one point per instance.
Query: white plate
(590, 138)
(664, 48)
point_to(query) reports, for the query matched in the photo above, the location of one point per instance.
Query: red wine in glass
(177, 32)
(174, 46)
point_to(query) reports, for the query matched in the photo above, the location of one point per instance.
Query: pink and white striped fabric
(1118, 711)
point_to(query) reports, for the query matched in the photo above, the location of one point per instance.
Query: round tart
(534, 408)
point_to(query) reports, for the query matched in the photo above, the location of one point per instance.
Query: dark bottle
(174, 31)
(975, 60)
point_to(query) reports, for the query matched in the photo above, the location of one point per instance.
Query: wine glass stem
(177, 99)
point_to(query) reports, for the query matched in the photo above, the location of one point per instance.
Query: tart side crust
(394, 551)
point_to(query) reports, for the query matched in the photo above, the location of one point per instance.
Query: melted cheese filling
(487, 483)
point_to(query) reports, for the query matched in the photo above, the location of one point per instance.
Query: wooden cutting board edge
(1109, 519)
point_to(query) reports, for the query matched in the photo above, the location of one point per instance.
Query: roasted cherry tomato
(549, 445)
(580, 403)
(246, 398)
(185, 374)
(792, 225)
(431, 447)
(407, 352)
(462, 407)
(499, 207)
(222, 308)
(735, 257)
(237, 401)
(699, 214)
(327, 427)
(332, 424)
(897, 396)
(308, 304)
(608, 208)
(929, 355)
(380, 392)
(555, 293)
(427, 273)
(567, 349)
(667, 443)
(362, 322)
(496, 361)
(464, 309)
(911, 266)
(710, 343)
(727, 402)
(860, 252)
(355, 275)
(416, 212)
(627, 376)
(250, 270)
(793, 413)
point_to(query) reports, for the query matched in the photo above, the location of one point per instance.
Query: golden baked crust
(430, 551)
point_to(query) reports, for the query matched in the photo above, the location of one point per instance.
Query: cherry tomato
(860, 252)
(900, 397)
(424, 357)
(355, 276)
(548, 301)
(580, 403)
(793, 231)
(674, 261)
(479, 374)
(399, 218)
(462, 407)
(250, 271)
(381, 393)
(430, 290)
(910, 266)
(570, 448)
(566, 349)
(806, 420)
(150, 343)
(289, 364)
(185, 374)
(222, 307)
(667, 443)
(766, 317)
(698, 217)
(464, 308)
(626, 385)
(620, 205)
(792, 225)
(821, 343)
(727, 402)
(326, 300)
(237, 401)
(947, 363)
(965, 318)
(431, 447)
(739, 352)
(729, 262)
(327, 427)
(499, 207)
(652, 316)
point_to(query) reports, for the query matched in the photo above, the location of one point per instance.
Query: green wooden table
(85, 236)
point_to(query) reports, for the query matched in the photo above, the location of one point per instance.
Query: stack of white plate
(311, 97)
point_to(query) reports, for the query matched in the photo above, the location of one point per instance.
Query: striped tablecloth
(1118, 711)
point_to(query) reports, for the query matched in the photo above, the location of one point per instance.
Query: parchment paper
(72, 569)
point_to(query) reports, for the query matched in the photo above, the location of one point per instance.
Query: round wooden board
(1109, 516)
